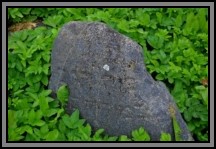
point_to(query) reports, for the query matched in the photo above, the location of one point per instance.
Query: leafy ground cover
(175, 46)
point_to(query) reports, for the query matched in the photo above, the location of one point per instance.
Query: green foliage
(124, 138)
(63, 94)
(165, 137)
(175, 47)
(53, 21)
(140, 135)
(177, 130)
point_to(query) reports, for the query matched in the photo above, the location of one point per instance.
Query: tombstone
(108, 82)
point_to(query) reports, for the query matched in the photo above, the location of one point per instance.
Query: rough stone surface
(109, 83)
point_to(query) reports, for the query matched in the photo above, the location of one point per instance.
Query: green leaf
(19, 14)
(178, 21)
(61, 137)
(34, 88)
(32, 95)
(67, 121)
(171, 80)
(44, 129)
(159, 17)
(124, 138)
(78, 123)
(145, 19)
(60, 111)
(177, 130)
(123, 25)
(63, 94)
(45, 80)
(140, 135)
(205, 96)
(22, 104)
(159, 77)
(191, 126)
(61, 126)
(45, 93)
(46, 57)
(22, 46)
(31, 116)
(201, 17)
(165, 137)
(200, 88)
(97, 136)
(187, 115)
(12, 121)
(46, 68)
(75, 116)
(43, 103)
(85, 131)
(72, 135)
(13, 135)
(18, 92)
(25, 128)
(51, 112)
(52, 135)
(53, 21)
(38, 123)
(155, 41)
(107, 138)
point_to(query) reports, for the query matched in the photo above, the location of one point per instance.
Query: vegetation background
(175, 46)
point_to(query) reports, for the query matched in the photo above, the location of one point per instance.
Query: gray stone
(109, 83)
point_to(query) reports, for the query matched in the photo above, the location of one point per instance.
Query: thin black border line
(107, 7)
(209, 74)
(110, 141)
(178, 1)
(7, 77)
